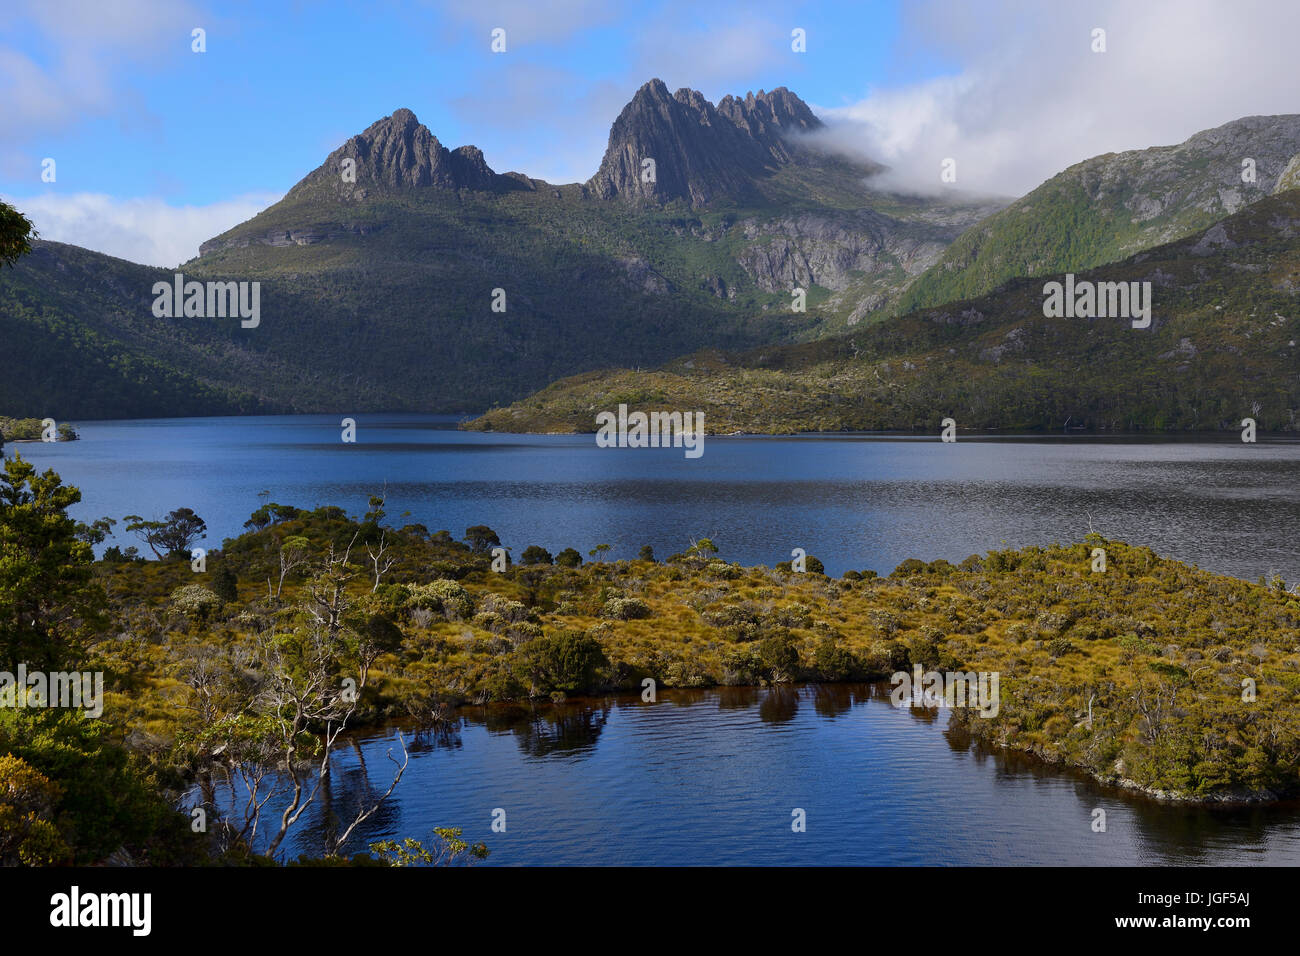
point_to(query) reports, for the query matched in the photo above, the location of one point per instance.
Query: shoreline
(1231, 800)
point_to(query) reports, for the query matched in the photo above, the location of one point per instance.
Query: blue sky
(282, 84)
(158, 147)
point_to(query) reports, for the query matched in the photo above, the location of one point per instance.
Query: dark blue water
(712, 777)
(853, 501)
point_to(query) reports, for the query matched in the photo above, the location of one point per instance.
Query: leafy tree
(569, 558)
(535, 554)
(270, 514)
(175, 534)
(49, 601)
(225, 584)
(646, 553)
(27, 799)
(481, 539)
(16, 234)
(780, 657)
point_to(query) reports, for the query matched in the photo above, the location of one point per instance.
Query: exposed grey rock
(833, 249)
(1290, 178)
(641, 275)
(700, 152)
(398, 152)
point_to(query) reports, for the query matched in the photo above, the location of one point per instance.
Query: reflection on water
(711, 777)
(855, 501)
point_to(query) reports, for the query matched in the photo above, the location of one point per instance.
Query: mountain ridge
(1113, 205)
(377, 294)
(1222, 346)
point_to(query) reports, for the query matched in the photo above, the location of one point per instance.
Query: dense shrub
(566, 661)
(625, 609)
(195, 602)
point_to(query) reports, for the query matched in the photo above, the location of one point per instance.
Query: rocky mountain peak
(699, 151)
(399, 152)
(769, 118)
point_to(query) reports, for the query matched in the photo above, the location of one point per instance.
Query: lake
(713, 776)
(854, 501)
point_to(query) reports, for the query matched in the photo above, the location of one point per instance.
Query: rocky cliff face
(398, 152)
(680, 146)
(1290, 178)
(1200, 175)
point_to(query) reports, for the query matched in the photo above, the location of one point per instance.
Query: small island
(32, 429)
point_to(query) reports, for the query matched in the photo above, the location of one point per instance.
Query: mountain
(383, 271)
(700, 153)
(1112, 206)
(80, 340)
(1221, 347)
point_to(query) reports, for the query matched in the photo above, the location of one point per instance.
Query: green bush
(566, 661)
(780, 658)
(443, 595)
(195, 602)
(833, 662)
(625, 609)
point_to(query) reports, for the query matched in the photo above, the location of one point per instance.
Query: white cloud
(1030, 98)
(89, 42)
(147, 231)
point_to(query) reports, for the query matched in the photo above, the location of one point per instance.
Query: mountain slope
(383, 272)
(80, 340)
(380, 270)
(1222, 346)
(1112, 206)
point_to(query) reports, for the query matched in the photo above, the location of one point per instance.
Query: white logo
(73, 909)
(211, 300)
(66, 690)
(655, 430)
(1098, 300)
(954, 689)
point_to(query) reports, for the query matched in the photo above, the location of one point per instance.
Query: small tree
(225, 584)
(448, 850)
(568, 661)
(481, 539)
(28, 836)
(309, 686)
(16, 235)
(49, 600)
(535, 554)
(569, 558)
(175, 535)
